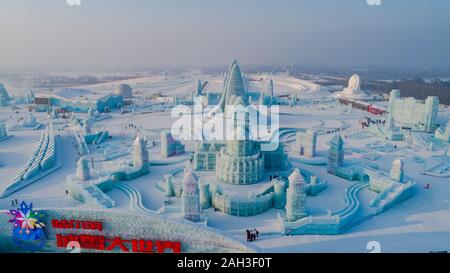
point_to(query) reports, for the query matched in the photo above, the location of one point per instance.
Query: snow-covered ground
(419, 224)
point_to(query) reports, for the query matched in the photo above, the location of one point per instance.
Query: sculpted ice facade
(306, 143)
(335, 154)
(443, 134)
(4, 96)
(3, 130)
(190, 198)
(295, 197)
(170, 146)
(412, 113)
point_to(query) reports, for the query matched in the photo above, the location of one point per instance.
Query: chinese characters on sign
(102, 243)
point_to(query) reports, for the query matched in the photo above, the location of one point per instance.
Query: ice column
(295, 197)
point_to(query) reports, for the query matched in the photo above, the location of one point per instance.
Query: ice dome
(125, 91)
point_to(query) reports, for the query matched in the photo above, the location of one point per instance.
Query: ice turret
(190, 199)
(87, 127)
(140, 154)
(296, 197)
(83, 170)
(199, 88)
(397, 170)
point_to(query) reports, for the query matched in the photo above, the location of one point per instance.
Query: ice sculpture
(199, 88)
(87, 127)
(240, 162)
(295, 197)
(140, 154)
(170, 146)
(3, 130)
(4, 96)
(397, 170)
(353, 90)
(125, 91)
(335, 154)
(306, 143)
(409, 112)
(443, 135)
(233, 87)
(190, 199)
(83, 170)
(279, 197)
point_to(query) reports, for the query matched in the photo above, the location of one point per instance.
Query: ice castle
(412, 113)
(239, 161)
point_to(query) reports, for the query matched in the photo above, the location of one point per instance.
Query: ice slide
(135, 197)
(391, 196)
(329, 225)
(43, 159)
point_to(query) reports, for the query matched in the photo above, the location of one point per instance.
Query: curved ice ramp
(328, 225)
(42, 162)
(135, 197)
(127, 224)
(392, 195)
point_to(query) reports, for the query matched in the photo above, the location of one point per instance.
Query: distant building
(78, 100)
(414, 114)
(125, 91)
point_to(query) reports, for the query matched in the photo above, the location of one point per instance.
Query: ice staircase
(392, 195)
(99, 197)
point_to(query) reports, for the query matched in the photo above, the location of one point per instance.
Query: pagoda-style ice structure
(443, 135)
(305, 144)
(190, 198)
(412, 113)
(170, 146)
(239, 160)
(335, 154)
(295, 197)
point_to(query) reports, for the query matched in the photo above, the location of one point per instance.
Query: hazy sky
(127, 34)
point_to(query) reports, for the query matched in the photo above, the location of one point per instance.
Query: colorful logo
(28, 228)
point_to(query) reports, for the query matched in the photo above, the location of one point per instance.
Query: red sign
(100, 242)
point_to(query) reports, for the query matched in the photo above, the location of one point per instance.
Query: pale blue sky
(126, 34)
